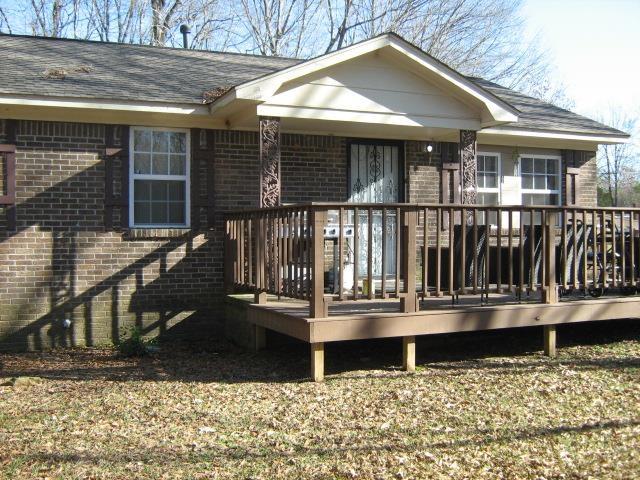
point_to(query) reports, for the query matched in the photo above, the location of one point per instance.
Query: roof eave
(600, 138)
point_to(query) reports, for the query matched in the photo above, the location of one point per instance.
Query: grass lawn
(485, 405)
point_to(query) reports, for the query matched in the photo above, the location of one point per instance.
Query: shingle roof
(115, 71)
(538, 115)
(123, 71)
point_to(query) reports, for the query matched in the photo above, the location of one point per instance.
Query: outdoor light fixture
(429, 148)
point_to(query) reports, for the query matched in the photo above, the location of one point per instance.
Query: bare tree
(116, 20)
(163, 15)
(278, 27)
(618, 164)
(213, 24)
(551, 91)
(4, 21)
(338, 18)
(55, 18)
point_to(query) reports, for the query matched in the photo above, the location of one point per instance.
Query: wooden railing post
(229, 258)
(550, 290)
(409, 302)
(318, 308)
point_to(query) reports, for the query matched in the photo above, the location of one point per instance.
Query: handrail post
(409, 302)
(318, 308)
(550, 290)
(229, 259)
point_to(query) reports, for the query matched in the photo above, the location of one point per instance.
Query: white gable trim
(262, 89)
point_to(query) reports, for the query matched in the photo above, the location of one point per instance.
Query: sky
(595, 46)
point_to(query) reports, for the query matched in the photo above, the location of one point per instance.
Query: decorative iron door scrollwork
(375, 179)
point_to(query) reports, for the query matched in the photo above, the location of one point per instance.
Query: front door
(375, 176)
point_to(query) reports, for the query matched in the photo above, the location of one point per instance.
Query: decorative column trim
(469, 177)
(270, 187)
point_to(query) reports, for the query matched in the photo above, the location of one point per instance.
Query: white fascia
(601, 139)
(99, 104)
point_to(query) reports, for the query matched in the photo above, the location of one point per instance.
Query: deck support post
(260, 298)
(259, 338)
(409, 353)
(318, 307)
(550, 341)
(317, 361)
(409, 302)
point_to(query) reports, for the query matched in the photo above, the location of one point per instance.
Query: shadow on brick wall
(61, 264)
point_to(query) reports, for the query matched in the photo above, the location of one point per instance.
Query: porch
(323, 272)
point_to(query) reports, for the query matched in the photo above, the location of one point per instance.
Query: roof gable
(493, 110)
(371, 90)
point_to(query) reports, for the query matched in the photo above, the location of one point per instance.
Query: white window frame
(557, 192)
(498, 188)
(139, 176)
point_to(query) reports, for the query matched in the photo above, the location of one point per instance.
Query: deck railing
(324, 252)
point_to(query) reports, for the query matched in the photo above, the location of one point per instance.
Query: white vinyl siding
(159, 177)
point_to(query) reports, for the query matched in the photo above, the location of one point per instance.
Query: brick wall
(62, 263)
(422, 173)
(588, 178)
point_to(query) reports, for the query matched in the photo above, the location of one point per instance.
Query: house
(142, 184)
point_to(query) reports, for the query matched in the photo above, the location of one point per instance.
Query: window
(488, 165)
(488, 178)
(540, 180)
(159, 178)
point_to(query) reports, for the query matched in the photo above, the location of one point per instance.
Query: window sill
(155, 233)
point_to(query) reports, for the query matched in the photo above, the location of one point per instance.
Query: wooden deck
(428, 255)
(355, 320)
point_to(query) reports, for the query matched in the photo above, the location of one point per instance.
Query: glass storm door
(375, 178)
